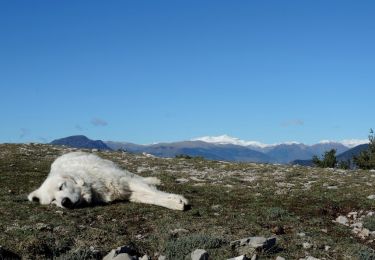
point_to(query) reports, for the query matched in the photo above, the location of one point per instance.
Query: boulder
(199, 254)
(241, 257)
(121, 253)
(258, 243)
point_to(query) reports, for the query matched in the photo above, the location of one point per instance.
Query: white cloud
(98, 122)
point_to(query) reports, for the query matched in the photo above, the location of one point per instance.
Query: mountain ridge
(281, 153)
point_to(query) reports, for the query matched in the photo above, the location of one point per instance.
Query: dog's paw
(179, 202)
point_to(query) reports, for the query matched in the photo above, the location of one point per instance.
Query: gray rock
(182, 180)
(371, 197)
(199, 254)
(342, 220)
(258, 243)
(178, 231)
(121, 253)
(241, 257)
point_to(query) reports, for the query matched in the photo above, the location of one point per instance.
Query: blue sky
(149, 71)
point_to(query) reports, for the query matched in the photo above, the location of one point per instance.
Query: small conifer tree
(366, 159)
(329, 159)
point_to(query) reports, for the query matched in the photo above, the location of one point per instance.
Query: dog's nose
(66, 203)
(35, 199)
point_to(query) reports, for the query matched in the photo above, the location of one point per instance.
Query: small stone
(356, 230)
(215, 207)
(306, 245)
(258, 243)
(342, 220)
(357, 225)
(371, 197)
(182, 180)
(364, 233)
(301, 234)
(162, 257)
(199, 254)
(327, 248)
(280, 258)
(42, 226)
(353, 214)
(241, 257)
(60, 212)
(178, 231)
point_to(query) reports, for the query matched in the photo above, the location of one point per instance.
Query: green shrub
(366, 159)
(366, 254)
(369, 223)
(329, 160)
(276, 213)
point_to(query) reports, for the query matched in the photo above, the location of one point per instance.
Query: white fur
(86, 178)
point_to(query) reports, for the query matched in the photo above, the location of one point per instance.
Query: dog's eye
(61, 186)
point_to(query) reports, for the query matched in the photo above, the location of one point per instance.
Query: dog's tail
(152, 180)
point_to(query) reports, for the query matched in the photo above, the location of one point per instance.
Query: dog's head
(63, 191)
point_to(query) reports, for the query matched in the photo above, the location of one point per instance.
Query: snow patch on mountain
(347, 142)
(226, 139)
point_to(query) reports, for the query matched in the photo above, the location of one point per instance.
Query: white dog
(80, 178)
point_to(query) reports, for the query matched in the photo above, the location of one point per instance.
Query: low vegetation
(366, 159)
(230, 201)
(329, 160)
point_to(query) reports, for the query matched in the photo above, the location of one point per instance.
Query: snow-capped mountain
(226, 139)
(225, 147)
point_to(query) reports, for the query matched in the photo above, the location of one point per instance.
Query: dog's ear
(76, 180)
(79, 181)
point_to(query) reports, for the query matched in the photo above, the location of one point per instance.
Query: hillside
(229, 201)
(355, 151)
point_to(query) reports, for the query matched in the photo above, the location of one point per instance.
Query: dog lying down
(79, 178)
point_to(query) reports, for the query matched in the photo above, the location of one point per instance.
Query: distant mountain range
(209, 149)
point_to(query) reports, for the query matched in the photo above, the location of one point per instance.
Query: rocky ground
(260, 211)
